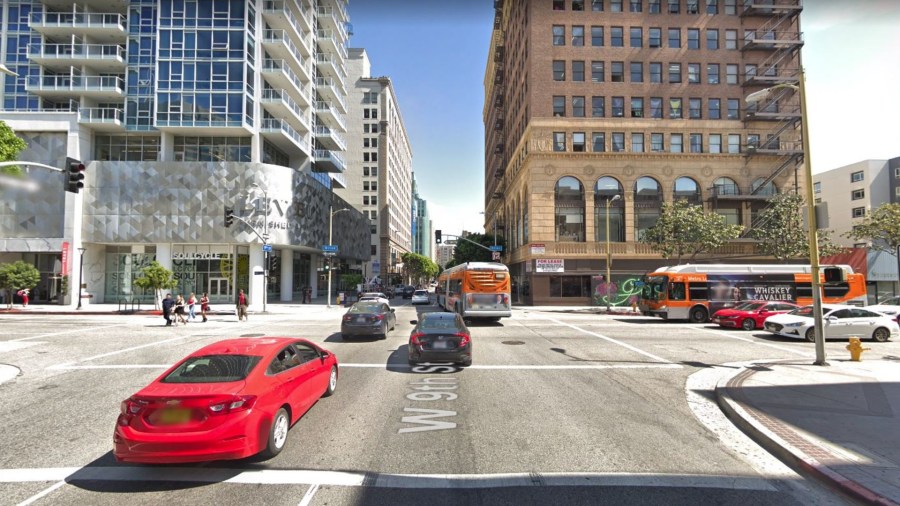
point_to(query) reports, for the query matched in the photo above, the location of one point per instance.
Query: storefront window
(122, 268)
(570, 286)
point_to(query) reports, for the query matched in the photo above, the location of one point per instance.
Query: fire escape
(498, 151)
(772, 38)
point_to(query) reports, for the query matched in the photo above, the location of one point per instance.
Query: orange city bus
(475, 290)
(695, 292)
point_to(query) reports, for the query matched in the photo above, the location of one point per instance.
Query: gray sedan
(368, 319)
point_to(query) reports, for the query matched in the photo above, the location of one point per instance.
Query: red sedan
(229, 400)
(750, 315)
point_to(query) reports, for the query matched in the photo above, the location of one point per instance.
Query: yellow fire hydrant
(856, 349)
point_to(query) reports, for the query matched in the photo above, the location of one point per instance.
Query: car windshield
(438, 323)
(365, 308)
(213, 369)
(749, 306)
(807, 311)
(420, 292)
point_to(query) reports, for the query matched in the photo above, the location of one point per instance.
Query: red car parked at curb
(751, 314)
(229, 400)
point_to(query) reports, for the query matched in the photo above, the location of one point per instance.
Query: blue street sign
(496, 248)
(267, 248)
(330, 248)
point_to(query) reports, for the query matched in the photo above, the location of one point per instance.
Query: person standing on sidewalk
(192, 300)
(204, 306)
(167, 305)
(241, 303)
(25, 293)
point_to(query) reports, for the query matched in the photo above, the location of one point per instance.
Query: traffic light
(834, 275)
(229, 216)
(74, 175)
(273, 262)
(437, 236)
(327, 264)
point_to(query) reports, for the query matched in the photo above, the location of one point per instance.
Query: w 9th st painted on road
(431, 389)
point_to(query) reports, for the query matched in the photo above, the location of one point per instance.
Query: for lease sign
(549, 265)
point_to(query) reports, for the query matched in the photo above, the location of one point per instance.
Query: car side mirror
(393, 310)
(831, 318)
(413, 322)
(325, 355)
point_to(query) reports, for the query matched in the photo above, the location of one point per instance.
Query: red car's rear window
(213, 369)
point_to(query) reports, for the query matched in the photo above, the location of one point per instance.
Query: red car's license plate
(175, 416)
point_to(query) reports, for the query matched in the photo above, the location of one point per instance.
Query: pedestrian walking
(167, 305)
(204, 306)
(303, 295)
(192, 300)
(179, 310)
(24, 293)
(309, 295)
(241, 303)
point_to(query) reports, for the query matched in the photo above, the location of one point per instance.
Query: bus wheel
(748, 324)
(699, 314)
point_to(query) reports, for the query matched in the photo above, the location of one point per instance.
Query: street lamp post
(816, 283)
(80, 274)
(330, 229)
(265, 240)
(608, 251)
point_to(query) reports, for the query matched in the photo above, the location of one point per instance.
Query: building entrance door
(219, 290)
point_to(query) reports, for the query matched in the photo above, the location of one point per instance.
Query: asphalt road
(558, 408)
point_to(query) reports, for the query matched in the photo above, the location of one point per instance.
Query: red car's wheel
(332, 382)
(748, 324)
(277, 434)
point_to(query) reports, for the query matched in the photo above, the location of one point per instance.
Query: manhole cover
(252, 335)
(513, 343)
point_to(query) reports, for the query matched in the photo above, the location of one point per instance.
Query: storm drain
(513, 343)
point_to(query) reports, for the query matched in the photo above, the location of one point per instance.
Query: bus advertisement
(475, 290)
(695, 292)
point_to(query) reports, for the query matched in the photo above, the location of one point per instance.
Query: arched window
(726, 186)
(569, 210)
(604, 192)
(525, 216)
(647, 201)
(767, 190)
(687, 189)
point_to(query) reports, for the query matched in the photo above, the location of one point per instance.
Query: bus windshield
(655, 288)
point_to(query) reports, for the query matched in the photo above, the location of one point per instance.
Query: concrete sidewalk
(147, 309)
(840, 423)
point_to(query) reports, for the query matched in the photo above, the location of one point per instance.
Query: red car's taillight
(463, 339)
(132, 406)
(415, 338)
(379, 317)
(232, 404)
(347, 318)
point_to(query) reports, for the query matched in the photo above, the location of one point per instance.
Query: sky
(435, 52)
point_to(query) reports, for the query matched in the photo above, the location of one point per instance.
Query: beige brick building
(623, 105)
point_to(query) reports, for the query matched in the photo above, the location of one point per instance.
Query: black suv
(408, 292)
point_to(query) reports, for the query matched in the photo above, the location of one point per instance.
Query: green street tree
(418, 267)
(10, 146)
(782, 231)
(684, 229)
(468, 252)
(18, 276)
(881, 227)
(157, 278)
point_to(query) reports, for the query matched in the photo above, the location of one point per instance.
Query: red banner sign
(64, 270)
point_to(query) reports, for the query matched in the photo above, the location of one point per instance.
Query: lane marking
(308, 496)
(770, 345)
(381, 365)
(382, 480)
(74, 331)
(117, 352)
(42, 493)
(614, 341)
(7, 346)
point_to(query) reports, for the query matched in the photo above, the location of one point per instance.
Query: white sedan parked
(841, 322)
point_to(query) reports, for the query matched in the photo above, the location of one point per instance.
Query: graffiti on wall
(622, 291)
